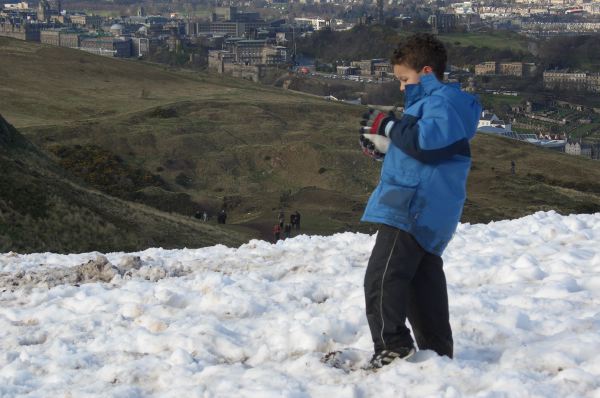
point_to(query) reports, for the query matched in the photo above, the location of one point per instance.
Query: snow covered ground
(255, 321)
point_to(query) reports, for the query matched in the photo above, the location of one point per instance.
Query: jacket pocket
(397, 193)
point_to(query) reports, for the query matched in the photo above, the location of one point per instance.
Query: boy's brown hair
(419, 50)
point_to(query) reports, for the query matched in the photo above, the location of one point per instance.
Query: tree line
(377, 41)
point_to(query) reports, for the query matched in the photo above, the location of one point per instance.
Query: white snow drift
(255, 321)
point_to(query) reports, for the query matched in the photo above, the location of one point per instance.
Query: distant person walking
(287, 231)
(296, 222)
(205, 216)
(276, 233)
(281, 218)
(222, 217)
(513, 166)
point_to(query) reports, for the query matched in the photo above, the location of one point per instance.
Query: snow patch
(255, 321)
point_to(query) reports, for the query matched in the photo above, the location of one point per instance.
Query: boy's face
(407, 75)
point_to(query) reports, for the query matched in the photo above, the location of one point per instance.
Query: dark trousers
(404, 281)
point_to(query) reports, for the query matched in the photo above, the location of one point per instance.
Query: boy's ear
(427, 70)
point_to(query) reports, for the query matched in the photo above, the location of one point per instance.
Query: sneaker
(385, 357)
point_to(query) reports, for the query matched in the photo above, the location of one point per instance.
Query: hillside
(219, 141)
(544, 180)
(41, 209)
(208, 142)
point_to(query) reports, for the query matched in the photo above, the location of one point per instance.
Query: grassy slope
(54, 86)
(252, 145)
(545, 180)
(42, 210)
(230, 136)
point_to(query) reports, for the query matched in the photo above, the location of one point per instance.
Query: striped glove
(373, 140)
(375, 122)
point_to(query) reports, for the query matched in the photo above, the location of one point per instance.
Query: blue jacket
(424, 174)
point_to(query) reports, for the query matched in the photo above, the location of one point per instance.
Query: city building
(274, 55)
(117, 29)
(218, 58)
(20, 30)
(140, 47)
(236, 29)
(174, 41)
(347, 70)
(316, 23)
(485, 68)
(87, 21)
(17, 6)
(227, 21)
(574, 80)
(510, 69)
(547, 29)
(60, 37)
(106, 46)
(517, 69)
(223, 62)
(593, 82)
(248, 52)
(463, 8)
(382, 69)
(442, 23)
(579, 148)
(365, 66)
(191, 28)
(489, 119)
(248, 59)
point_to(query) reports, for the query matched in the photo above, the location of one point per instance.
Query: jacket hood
(429, 85)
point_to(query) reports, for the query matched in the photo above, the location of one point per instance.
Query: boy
(418, 202)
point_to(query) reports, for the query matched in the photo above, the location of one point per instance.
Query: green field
(501, 40)
(497, 102)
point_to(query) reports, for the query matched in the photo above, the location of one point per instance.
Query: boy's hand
(368, 148)
(375, 122)
(375, 142)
